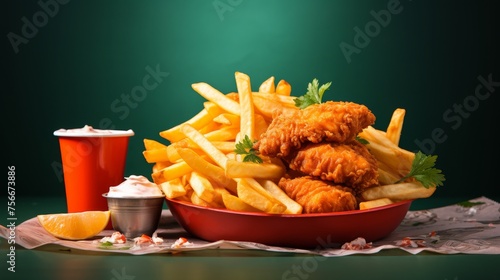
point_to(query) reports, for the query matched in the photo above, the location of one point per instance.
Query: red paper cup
(93, 160)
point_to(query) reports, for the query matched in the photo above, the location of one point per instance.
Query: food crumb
(357, 244)
(180, 243)
(115, 238)
(408, 242)
(146, 239)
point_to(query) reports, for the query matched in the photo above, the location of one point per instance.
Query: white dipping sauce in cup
(135, 186)
(88, 130)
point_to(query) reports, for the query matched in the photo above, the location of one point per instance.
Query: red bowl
(324, 230)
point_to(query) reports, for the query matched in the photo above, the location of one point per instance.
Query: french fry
(204, 117)
(171, 172)
(196, 200)
(210, 127)
(284, 88)
(218, 191)
(217, 97)
(173, 188)
(150, 144)
(211, 171)
(189, 192)
(254, 198)
(204, 144)
(239, 169)
(233, 96)
(276, 161)
(283, 100)
(160, 165)
(401, 191)
(257, 187)
(394, 159)
(387, 176)
(172, 154)
(224, 146)
(202, 187)
(374, 203)
(266, 107)
(185, 182)
(155, 155)
(224, 134)
(386, 151)
(227, 119)
(186, 198)
(292, 207)
(235, 203)
(268, 86)
(261, 125)
(247, 119)
(393, 132)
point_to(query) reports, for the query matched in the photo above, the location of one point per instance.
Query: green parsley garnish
(468, 204)
(422, 169)
(314, 94)
(245, 147)
(362, 140)
(107, 243)
(112, 247)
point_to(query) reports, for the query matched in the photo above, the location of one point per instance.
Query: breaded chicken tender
(349, 164)
(329, 121)
(317, 196)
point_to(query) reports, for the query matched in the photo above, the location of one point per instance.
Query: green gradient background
(426, 60)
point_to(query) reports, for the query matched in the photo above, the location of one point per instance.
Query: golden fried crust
(349, 164)
(329, 121)
(317, 196)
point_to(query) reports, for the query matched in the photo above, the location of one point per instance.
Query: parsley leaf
(422, 169)
(468, 204)
(245, 147)
(314, 94)
(362, 140)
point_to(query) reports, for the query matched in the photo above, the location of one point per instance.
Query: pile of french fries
(393, 164)
(199, 164)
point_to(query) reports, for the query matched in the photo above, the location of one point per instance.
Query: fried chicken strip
(328, 121)
(318, 196)
(349, 164)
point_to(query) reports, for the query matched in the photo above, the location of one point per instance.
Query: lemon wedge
(75, 226)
